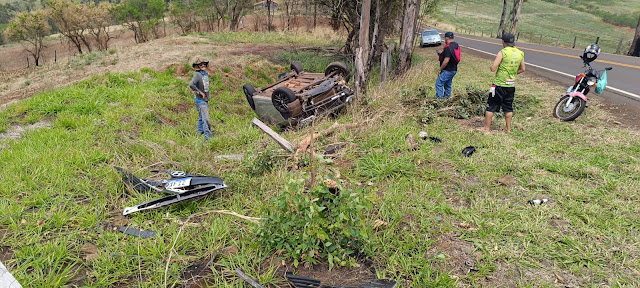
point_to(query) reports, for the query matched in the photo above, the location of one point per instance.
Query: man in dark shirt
(449, 58)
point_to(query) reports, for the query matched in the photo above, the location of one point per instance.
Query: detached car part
(181, 186)
(299, 97)
(308, 282)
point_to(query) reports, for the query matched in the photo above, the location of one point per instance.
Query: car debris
(308, 282)
(248, 279)
(299, 97)
(180, 185)
(535, 202)
(435, 139)
(468, 151)
(137, 232)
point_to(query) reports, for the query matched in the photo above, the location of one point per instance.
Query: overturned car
(299, 97)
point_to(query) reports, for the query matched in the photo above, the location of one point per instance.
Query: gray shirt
(200, 83)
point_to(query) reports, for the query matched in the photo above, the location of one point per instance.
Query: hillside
(555, 22)
(430, 217)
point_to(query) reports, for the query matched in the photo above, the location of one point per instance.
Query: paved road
(623, 81)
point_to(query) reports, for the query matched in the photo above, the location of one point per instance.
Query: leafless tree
(634, 50)
(502, 18)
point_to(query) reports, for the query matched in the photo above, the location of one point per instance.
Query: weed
(326, 223)
(112, 51)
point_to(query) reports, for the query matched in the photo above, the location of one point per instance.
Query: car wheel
(295, 66)
(249, 90)
(280, 98)
(338, 67)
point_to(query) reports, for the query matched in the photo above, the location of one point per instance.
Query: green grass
(538, 18)
(61, 192)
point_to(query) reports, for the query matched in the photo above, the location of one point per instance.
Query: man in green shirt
(508, 63)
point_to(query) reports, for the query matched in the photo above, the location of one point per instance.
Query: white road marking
(629, 94)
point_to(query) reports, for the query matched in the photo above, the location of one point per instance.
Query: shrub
(326, 223)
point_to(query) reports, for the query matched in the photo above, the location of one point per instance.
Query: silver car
(430, 37)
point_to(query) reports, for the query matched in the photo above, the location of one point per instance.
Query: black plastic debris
(137, 232)
(468, 151)
(435, 139)
(181, 186)
(308, 282)
(248, 279)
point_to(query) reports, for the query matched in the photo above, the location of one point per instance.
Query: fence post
(27, 62)
(517, 37)
(597, 39)
(55, 56)
(558, 41)
(383, 68)
(540, 42)
(619, 45)
(574, 42)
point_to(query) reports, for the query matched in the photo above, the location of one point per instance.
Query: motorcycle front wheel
(570, 111)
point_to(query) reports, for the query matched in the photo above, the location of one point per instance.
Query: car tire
(295, 66)
(249, 90)
(281, 97)
(340, 67)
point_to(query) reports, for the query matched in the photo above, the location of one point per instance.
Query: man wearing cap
(200, 85)
(449, 58)
(508, 64)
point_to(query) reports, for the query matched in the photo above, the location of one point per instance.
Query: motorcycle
(574, 101)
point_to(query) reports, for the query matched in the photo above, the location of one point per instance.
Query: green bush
(326, 223)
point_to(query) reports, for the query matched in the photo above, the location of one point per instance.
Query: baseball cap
(508, 39)
(448, 35)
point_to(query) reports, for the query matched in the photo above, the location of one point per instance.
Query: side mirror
(608, 68)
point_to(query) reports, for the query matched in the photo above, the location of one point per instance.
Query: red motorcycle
(574, 101)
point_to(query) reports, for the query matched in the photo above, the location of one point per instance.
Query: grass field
(450, 220)
(539, 18)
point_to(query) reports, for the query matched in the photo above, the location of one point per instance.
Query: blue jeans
(444, 81)
(204, 125)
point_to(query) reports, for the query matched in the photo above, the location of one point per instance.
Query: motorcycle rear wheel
(571, 112)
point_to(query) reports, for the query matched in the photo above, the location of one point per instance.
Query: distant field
(540, 18)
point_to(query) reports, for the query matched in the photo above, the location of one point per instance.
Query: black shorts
(502, 98)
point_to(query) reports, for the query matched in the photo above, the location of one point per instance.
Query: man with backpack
(449, 59)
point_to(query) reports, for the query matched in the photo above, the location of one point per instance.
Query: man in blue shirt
(200, 85)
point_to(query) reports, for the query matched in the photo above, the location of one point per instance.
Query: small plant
(261, 164)
(112, 51)
(226, 69)
(325, 223)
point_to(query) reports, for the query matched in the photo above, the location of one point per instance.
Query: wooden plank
(275, 136)
(6, 279)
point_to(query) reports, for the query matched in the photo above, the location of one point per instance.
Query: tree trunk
(502, 18)
(362, 53)
(408, 35)
(634, 50)
(375, 37)
(268, 15)
(516, 16)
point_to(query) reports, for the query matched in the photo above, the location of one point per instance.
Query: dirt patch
(512, 275)
(459, 257)
(6, 254)
(340, 276)
(16, 131)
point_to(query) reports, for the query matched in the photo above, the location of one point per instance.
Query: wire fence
(607, 44)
